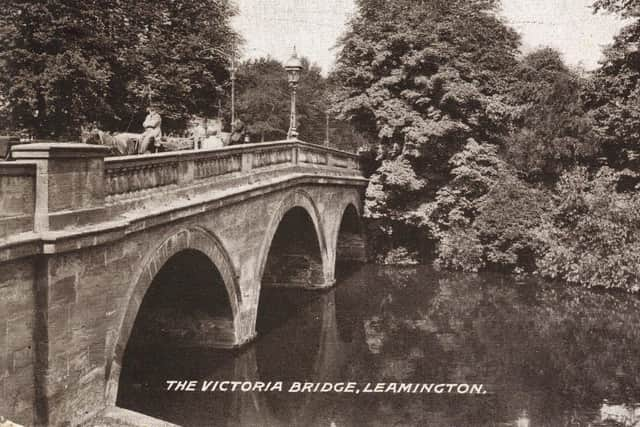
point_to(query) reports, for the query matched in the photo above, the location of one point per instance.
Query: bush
(592, 233)
(483, 218)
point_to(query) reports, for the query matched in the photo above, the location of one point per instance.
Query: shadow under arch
(297, 199)
(195, 240)
(349, 238)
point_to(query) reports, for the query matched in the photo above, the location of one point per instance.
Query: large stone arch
(194, 238)
(297, 199)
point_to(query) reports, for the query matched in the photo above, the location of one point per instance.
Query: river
(545, 354)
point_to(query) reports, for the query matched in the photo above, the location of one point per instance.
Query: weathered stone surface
(20, 332)
(66, 317)
(63, 290)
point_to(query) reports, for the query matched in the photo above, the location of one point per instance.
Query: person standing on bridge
(238, 132)
(152, 129)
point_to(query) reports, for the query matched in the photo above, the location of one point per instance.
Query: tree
(66, 62)
(615, 94)
(591, 233)
(614, 99)
(54, 67)
(627, 8)
(264, 100)
(420, 79)
(552, 131)
(482, 218)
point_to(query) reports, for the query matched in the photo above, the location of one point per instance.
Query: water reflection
(549, 356)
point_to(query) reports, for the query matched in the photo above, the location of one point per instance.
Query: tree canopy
(551, 129)
(264, 100)
(66, 62)
(422, 78)
(615, 94)
(424, 74)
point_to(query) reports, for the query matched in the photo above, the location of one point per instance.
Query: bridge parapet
(138, 177)
(53, 186)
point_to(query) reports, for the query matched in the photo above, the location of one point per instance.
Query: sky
(274, 27)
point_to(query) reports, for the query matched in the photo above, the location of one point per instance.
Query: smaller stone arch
(197, 239)
(297, 199)
(348, 235)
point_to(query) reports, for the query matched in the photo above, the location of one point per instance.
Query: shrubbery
(585, 231)
(483, 217)
(591, 235)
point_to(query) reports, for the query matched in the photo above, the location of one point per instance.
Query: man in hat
(152, 129)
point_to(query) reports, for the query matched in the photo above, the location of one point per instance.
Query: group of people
(202, 133)
(209, 133)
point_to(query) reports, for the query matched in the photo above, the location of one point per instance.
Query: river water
(545, 355)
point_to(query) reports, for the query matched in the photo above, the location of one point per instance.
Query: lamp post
(232, 77)
(293, 67)
(326, 140)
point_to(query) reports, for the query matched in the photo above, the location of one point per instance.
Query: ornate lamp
(293, 67)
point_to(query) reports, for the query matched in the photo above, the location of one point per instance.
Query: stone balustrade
(79, 184)
(131, 176)
(126, 175)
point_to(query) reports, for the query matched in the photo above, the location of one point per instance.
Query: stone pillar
(69, 183)
(69, 191)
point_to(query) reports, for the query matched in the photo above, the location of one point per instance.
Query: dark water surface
(547, 356)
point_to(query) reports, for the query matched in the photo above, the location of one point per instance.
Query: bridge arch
(298, 200)
(348, 235)
(195, 240)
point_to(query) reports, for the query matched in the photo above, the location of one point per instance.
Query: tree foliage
(551, 130)
(483, 217)
(421, 78)
(614, 99)
(264, 100)
(67, 62)
(591, 233)
(425, 75)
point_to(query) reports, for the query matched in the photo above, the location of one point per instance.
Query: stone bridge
(170, 247)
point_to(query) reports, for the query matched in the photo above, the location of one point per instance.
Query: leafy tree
(591, 233)
(552, 131)
(55, 71)
(615, 93)
(627, 8)
(421, 78)
(263, 100)
(483, 217)
(614, 99)
(67, 62)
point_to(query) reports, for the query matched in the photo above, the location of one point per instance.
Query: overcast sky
(272, 27)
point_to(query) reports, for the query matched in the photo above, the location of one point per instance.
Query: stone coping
(57, 150)
(230, 149)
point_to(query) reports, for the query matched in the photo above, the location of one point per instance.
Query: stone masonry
(80, 248)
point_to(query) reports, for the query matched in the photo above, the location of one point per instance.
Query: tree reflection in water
(548, 356)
